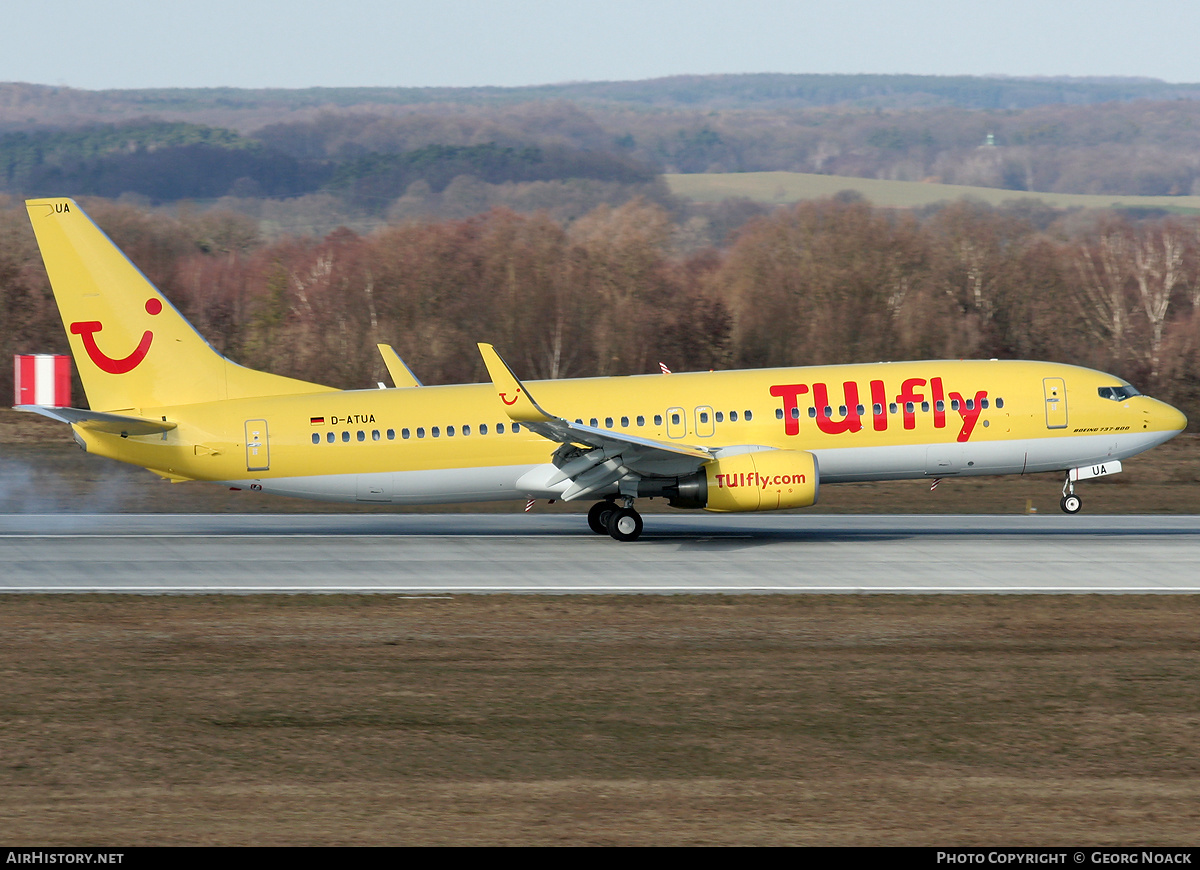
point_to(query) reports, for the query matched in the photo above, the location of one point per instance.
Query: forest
(367, 154)
(297, 229)
(619, 290)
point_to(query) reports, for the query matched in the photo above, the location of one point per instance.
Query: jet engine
(764, 480)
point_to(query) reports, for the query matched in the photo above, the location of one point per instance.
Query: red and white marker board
(42, 379)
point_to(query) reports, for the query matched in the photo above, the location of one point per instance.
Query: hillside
(567, 148)
(759, 90)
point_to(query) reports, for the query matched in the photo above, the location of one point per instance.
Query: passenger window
(608, 422)
(435, 431)
(658, 419)
(733, 416)
(362, 436)
(375, 435)
(893, 408)
(316, 438)
(779, 413)
(877, 409)
(391, 434)
(940, 405)
(925, 407)
(449, 431)
(720, 416)
(970, 404)
(675, 419)
(983, 403)
(827, 412)
(812, 412)
(330, 437)
(346, 437)
(466, 430)
(704, 416)
(641, 421)
(404, 434)
(516, 427)
(499, 428)
(420, 431)
(625, 422)
(999, 403)
(483, 428)
(860, 410)
(954, 404)
(841, 410)
(909, 407)
(594, 423)
(748, 415)
(796, 413)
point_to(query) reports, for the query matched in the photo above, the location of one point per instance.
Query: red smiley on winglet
(87, 329)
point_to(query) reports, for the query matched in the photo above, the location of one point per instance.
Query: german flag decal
(317, 421)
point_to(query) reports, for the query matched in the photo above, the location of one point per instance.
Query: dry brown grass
(599, 720)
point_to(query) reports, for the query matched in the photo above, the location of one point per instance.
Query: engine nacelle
(765, 480)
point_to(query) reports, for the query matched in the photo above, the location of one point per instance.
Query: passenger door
(258, 447)
(1056, 402)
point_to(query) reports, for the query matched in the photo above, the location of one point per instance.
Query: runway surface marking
(556, 554)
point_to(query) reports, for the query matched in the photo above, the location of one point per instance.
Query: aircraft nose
(1168, 418)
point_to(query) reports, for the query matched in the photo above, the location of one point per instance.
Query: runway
(422, 554)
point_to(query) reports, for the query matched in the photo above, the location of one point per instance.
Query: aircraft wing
(114, 424)
(593, 459)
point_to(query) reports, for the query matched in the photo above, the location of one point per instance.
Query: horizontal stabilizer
(114, 424)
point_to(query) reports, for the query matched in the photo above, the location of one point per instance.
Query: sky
(402, 43)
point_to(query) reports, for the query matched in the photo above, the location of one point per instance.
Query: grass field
(778, 188)
(623, 720)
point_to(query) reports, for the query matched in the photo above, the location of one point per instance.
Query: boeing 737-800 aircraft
(161, 397)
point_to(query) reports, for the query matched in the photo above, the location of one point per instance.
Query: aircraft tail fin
(132, 347)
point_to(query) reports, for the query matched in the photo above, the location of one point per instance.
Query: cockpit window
(1119, 393)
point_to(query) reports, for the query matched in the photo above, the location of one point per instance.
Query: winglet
(519, 405)
(402, 375)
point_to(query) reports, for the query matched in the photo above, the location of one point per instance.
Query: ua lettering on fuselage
(912, 394)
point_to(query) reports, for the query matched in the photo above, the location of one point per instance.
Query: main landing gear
(623, 523)
(1071, 503)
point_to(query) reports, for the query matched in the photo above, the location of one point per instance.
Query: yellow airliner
(765, 439)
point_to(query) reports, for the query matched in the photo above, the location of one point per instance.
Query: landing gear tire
(598, 516)
(625, 524)
(1070, 504)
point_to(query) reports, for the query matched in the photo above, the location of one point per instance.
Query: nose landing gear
(623, 523)
(1071, 503)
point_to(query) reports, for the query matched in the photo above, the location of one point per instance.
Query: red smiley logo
(87, 329)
